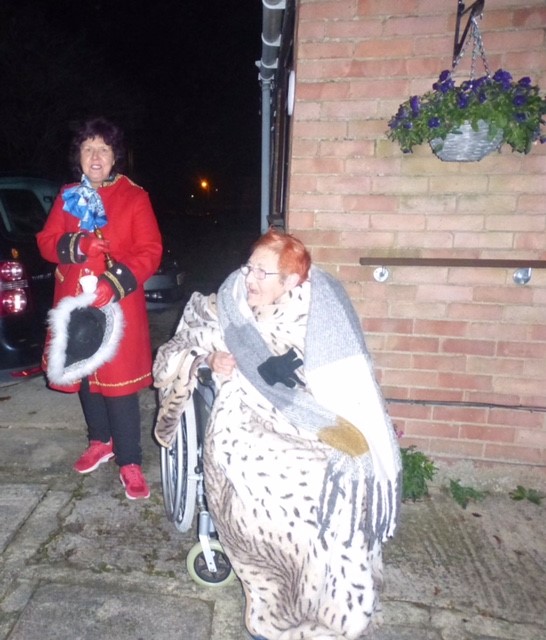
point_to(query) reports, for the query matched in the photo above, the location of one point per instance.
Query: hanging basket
(466, 145)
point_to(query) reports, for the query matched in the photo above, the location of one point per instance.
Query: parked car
(166, 287)
(26, 279)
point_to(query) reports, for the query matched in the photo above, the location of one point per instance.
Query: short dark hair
(93, 128)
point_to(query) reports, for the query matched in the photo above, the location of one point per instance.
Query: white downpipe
(273, 11)
(266, 151)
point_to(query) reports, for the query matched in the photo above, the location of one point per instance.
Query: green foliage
(463, 495)
(417, 469)
(521, 493)
(515, 108)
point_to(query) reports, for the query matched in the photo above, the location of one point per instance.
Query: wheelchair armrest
(204, 376)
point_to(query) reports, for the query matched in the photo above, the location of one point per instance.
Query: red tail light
(13, 288)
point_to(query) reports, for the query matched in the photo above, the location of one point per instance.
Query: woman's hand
(221, 362)
(103, 294)
(91, 246)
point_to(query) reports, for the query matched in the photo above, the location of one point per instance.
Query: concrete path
(81, 562)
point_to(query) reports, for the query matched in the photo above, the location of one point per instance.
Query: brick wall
(459, 350)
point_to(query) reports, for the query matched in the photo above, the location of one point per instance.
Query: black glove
(281, 369)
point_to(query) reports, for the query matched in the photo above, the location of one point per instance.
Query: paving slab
(71, 612)
(16, 504)
(489, 558)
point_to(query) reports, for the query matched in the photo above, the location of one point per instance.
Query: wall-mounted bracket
(475, 9)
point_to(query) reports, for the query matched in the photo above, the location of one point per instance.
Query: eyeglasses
(259, 273)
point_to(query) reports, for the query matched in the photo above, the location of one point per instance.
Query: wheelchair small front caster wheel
(199, 571)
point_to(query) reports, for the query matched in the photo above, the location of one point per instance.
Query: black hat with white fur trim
(82, 338)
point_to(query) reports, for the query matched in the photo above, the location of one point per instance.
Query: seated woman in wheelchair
(302, 467)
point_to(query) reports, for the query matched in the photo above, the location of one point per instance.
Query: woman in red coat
(128, 234)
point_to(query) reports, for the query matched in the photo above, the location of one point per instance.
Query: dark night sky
(178, 75)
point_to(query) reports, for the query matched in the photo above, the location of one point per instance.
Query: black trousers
(113, 417)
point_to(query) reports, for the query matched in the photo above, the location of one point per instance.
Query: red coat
(135, 241)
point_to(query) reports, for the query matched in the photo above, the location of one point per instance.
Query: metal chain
(477, 49)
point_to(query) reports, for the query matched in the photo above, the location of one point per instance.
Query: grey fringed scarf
(338, 370)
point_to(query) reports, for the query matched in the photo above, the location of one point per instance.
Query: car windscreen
(21, 214)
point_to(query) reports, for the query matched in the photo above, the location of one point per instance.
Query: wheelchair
(183, 488)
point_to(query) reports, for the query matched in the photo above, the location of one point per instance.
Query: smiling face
(272, 287)
(97, 160)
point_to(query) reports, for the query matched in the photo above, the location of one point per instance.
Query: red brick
(353, 29)
(326, 49)
(417, 25)
(333, 9)
(378, 89)
(313, 91)
(530, 455)
(299, 220)
(494, 366)
(522, 349)
(530, 17)
(385, 48)
(370, 8)
(342, 184)
(347, 149)
(524, 419)
(437, 395)
(530, 438)
(317, 165)
(433, 430)
(453, 380)
(487, 434)
(475, 311)
(413, 344)
(471, 347)
(316, 202)
(457, 448)
(329, 220)
(321, 130)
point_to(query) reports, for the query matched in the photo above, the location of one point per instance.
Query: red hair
(293, 256)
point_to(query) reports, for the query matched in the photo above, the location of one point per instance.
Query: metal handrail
(451, 262)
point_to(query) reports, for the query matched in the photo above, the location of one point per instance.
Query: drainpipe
(272, 16)
(266, 156)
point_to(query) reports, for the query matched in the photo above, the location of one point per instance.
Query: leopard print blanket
(289, 509)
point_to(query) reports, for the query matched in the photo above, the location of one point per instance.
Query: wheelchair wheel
(178, 475)
(200, 573)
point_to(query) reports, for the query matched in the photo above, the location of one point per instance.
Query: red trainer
(133, 480)
(96, 453)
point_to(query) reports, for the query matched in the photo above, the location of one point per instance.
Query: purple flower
(434, 123)
(415, 104)
(445, 83)
(525, 82)
(502, 76)
(519, 100)
(443, 87)
(462, 100)
(520, 117)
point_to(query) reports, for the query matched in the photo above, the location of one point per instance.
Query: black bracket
(475, 9)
